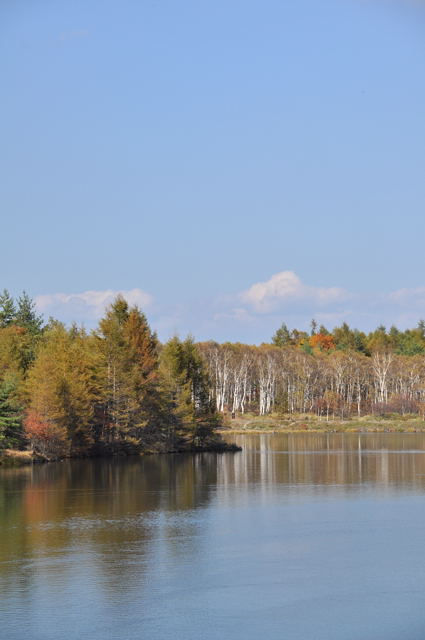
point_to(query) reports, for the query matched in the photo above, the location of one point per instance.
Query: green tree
(26, 315)
(7, 309)
(282, 337)
(344, 337)
(186, 389)
(360, 342)
(11, 431)
(407, 343)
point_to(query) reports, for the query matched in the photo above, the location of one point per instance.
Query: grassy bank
(250, 423)
(16, 458)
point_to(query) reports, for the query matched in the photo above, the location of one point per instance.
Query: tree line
(340, 373)
(270, 379)
(66, 391)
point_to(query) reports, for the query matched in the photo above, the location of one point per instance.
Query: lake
(305, 536)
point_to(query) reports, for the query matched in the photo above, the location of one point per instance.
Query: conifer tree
(26, 315)
(11, 433)
(130, 371)
(7, 309)
(186, 386)
(63, 386)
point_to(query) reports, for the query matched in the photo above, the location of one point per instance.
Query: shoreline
(241, 425)
(17, 458)
(335, 429)
(311, 424)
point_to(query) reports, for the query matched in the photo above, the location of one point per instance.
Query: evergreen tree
(26, 315)
(282, 337)
(409, 342)
(360, 342)
(7, 309)
(185, 384)
(11, 434)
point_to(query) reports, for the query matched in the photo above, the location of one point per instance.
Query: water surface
(307, 536)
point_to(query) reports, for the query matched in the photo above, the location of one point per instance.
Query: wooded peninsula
(68, 392)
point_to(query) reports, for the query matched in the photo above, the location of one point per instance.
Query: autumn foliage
(322, 342)
(45, 437)
(66, 391)
(106, 391)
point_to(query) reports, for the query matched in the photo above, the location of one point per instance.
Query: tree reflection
(118, 522)
(328, 459)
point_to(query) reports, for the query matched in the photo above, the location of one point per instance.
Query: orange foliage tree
(322, 341)
(45, 437)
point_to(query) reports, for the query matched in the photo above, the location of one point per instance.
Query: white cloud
(287, 287)
(415, 296)
(251, 316)
(89, 305)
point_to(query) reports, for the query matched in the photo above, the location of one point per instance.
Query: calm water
(304, 537)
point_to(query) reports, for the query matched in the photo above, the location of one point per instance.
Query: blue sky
(230, 164)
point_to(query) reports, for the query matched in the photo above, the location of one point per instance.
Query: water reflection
(179, 544)
(328, 459)
(44, 507)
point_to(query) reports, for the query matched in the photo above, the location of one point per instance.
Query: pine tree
(359, 342)
(26, 315)
(7, 309)
(11, 434)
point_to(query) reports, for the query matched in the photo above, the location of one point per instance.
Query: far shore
(308, 423)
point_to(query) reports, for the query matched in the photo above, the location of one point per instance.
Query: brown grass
(14, 457)
(311, 423)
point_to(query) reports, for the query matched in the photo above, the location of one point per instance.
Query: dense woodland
(65, 391)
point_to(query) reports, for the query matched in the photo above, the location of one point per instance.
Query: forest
(65, 391)
(340, 373)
